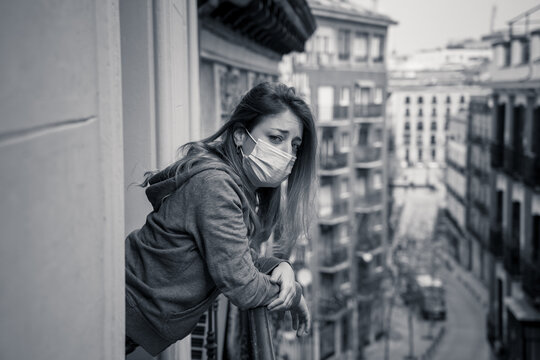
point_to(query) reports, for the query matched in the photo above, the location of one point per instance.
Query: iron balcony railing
(369, 242)
(513, 161)
(336, 161)
(495, 240)
(369, 110)
(363, 154)
(260, 336)
(531, 278)
(531, 170)
(511, 258)
(334, 255)
(497, 155)
(341, 112)
(372, 198)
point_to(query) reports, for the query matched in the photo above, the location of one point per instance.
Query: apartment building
(455, 179)
(514, 309)
(343, 74)
(478, 175)
(428, 88)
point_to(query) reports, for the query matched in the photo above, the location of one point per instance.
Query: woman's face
(283, 131)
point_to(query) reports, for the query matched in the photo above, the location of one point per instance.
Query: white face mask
(267, 166)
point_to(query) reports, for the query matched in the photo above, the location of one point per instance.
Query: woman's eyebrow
(281, 130)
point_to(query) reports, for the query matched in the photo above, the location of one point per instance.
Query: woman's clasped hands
(283, 275)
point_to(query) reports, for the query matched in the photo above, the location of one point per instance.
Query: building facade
(427, 89)
(95, 93)
(514, 311)
(478, 175)
(343, 74)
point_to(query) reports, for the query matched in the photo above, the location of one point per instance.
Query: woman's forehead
(286, 121)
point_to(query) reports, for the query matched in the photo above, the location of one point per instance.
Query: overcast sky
(426, 24)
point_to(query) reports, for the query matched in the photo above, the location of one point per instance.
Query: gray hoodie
(193, 246)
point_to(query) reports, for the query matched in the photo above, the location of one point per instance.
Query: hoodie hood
(165, 182)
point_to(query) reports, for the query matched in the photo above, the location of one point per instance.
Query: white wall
(61, 253)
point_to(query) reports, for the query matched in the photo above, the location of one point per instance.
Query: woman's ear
(239, 136)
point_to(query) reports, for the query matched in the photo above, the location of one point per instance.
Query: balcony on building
(333, 151)
(370, 273)
(531, 169)
(497, 155)
(511, 258)
(531, 278)
(367, 112)
(332, 211)
(335, 293)
(333, 115)
(367, 156)
(368, 202)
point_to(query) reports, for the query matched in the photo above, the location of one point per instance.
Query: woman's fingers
(294, 317)
(286, 303)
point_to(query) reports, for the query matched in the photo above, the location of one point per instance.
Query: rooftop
(349, 10)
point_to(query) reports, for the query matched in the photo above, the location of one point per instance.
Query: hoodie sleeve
(222, 239)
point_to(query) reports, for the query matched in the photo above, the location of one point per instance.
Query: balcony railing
(369, 110)
(341, 112)
(531, 170)
(368, 242)
(365, 154)
(497, 155)
(329, 113)
(512, 161)
(531, 279)
(332, 304)
(511, 254)
(495, 240)
(261, 345)
(372, 198)
(339, 208)
(336, 161)
(334, 256)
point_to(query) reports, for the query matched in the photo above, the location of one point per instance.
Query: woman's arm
(221, 234)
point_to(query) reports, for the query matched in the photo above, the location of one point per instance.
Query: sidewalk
(471, 283)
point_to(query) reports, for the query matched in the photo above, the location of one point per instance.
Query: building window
(378, 96)
(419, 140)
(420, 125)
(419, 154)
(432, 139)
(344, 44)
(407, 125)
(407, 100)
(462, 99)
(420, 100)
(448, 100)
(433, 154)
(407, 139)
(344, 96)
(434, 112)
(433, 125)
(447, 112)
(420, 112)
(363, 135)
(407, 112)
(377, 48)
(360, 47)
(407, 155)
(434, 100)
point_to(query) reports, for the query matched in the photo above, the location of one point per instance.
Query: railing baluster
(259, 330)
(211, 336)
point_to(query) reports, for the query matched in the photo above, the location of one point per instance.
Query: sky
(428, 24)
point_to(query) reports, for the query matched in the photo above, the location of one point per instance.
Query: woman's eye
(275, 139)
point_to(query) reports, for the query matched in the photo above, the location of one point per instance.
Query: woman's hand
(301, 318)
(283, 275)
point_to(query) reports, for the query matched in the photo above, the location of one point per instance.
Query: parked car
(431, 297)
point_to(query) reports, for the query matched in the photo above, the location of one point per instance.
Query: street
(465, 325)
(465, 337)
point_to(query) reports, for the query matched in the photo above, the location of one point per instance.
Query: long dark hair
(266, 209)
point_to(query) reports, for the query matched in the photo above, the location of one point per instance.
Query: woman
(211, 210)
